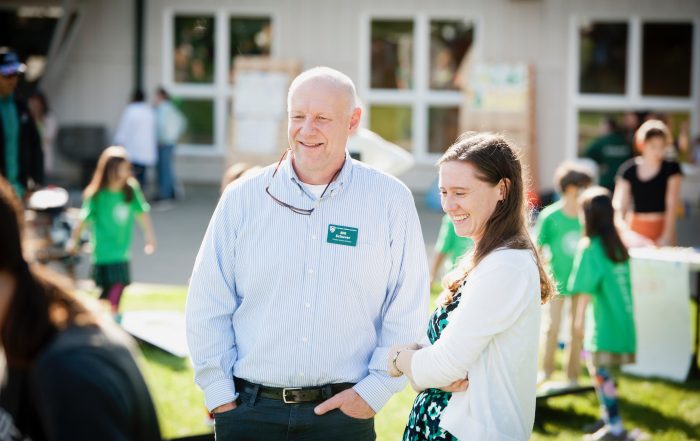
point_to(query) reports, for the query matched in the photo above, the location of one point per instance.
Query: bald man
(308, 273)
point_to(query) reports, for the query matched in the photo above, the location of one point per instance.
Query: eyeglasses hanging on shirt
(297, 210)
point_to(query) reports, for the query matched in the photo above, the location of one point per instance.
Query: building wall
(95, 84)
(96, 76)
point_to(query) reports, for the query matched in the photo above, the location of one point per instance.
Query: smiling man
(308, 273)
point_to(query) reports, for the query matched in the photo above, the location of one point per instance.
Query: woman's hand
(392, 360)
(456, 386)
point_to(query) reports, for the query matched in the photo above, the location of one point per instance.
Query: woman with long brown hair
(477, 376)
(70, 374)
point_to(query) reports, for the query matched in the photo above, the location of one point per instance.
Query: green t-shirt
(10, 128)
(560, 234)
(450, 244)
(610, 315)
(112, 220)
(609, 152)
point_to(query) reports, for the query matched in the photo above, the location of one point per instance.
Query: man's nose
(307, 126)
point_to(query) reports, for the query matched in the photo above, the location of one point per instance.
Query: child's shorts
(108, 274)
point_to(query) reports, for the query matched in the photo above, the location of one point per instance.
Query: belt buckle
(284, 394)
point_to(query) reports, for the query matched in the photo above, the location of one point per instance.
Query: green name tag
(342, 235)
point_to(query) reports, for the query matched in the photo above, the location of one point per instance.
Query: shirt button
(301, 374)
(311, 270)
(304, 339)
(313, 236)
(308, 305)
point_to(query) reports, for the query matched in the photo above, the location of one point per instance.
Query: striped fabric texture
(275, 299)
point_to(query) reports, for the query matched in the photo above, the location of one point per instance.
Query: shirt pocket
(362, 276)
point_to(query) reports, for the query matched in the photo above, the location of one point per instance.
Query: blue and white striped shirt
(273, 302)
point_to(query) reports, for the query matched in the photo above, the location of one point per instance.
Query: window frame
(420, 98)
(632, 99)
(221, 92)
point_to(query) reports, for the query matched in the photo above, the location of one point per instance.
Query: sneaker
(604, 434)
(593, 427)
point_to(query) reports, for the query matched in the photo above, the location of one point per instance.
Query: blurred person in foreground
(308, 273)
(477, 376)
(21, 156)
(648, 188)
(71, 373)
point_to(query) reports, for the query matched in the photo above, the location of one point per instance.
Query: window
(449, 43)
(593, 124)
(200, 53)
(193, 53)
(666, 56)
(200, 121)
(443, 128)
(629, 70)
(410, 82)
(249, 36)
(392, 55)
(392, 122)
(603, 58)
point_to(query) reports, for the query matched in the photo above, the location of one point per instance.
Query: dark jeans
(166, 176)
(139, 172)
(265, 419)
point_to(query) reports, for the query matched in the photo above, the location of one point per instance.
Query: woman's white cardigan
(493, 336)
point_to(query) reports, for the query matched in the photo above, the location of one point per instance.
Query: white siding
(97, 81)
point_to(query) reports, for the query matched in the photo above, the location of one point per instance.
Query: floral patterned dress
(424, 419)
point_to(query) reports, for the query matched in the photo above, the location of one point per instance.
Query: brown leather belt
(292, 395)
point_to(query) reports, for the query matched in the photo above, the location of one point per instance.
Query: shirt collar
(342, 181)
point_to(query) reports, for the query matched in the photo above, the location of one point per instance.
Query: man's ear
(355, 119)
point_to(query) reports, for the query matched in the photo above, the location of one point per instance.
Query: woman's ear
(503, 185)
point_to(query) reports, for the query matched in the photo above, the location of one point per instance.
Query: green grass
(665, 410)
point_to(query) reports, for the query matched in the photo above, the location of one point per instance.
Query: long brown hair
(496, 160)
(106, 171)
(599, 221)
(40, 306)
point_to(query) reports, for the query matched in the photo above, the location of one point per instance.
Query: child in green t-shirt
(601, 275)
(112, 201)
(558, 231)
